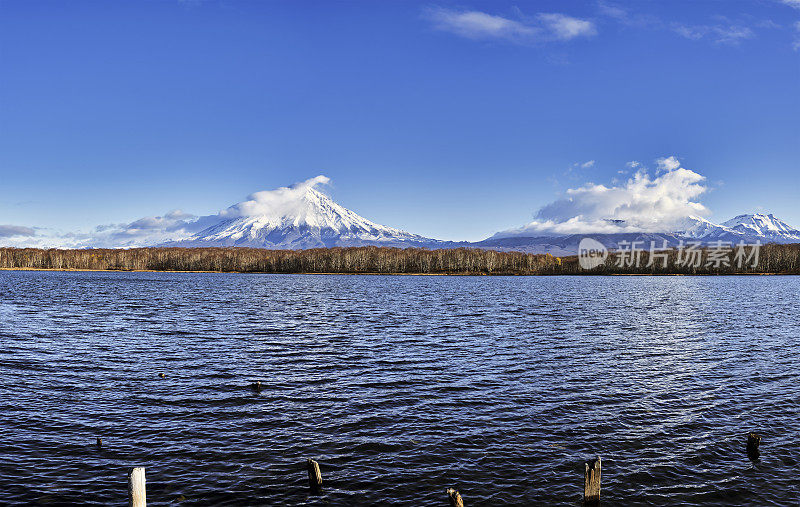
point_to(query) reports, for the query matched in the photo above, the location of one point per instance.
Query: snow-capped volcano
(743, 228)
(298, 217)
(301, 216)
(748, 228)
(759, 225)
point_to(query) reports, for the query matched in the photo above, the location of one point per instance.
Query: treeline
(368, 259)
(783, 259)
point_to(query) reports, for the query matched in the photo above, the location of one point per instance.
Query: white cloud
(280, 201)
(792, 3)
(588, 164)
(483, 26)
(478, 25)
(768, 23)
(177, 225)
(733, 34)
(566, 27)
(668, 163)
(722, 31)
(643, 203)
(721, 34)
(613, 11)
(690, 32)
(625, 17)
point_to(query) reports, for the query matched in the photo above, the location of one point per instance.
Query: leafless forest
(784, 259)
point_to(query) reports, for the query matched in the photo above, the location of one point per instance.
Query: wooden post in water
(591, 482)
(136, 490)
(455, 498)
(99, 443)
(314, 476)
(753, 439)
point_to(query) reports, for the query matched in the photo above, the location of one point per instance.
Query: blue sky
(452, 120)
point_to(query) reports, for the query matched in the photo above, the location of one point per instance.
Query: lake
(400, 386)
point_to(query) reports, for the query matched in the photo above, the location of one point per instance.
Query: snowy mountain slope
(699, 228)
(747, 228)
(303, 218)
(763, 226)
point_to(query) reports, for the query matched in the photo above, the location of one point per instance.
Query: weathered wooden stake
(161, 375)
(314, 476)
(99, 442)
(136, 490)
(591, 482)
(257, 386)
(753, 439)
(455, 498)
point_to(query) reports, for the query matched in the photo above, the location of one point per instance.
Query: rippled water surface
(399, 387)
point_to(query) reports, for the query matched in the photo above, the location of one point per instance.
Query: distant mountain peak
(301, 216)
(748, 228)
(763, 225)
(298, 217)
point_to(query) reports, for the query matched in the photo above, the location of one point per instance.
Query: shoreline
(392, 274)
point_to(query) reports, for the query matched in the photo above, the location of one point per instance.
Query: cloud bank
(175, 225)
(145, 231)
(10, 231)
(644, 203)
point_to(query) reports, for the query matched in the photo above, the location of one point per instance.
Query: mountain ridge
(304, 217)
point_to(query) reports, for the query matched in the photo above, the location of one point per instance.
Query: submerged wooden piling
(256, 386)
(136, 490)
(99, 443)
(455, 498)
(753, 439)
(591, 482)
(314, 476)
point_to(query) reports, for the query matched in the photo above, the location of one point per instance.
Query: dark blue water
(399, 386)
